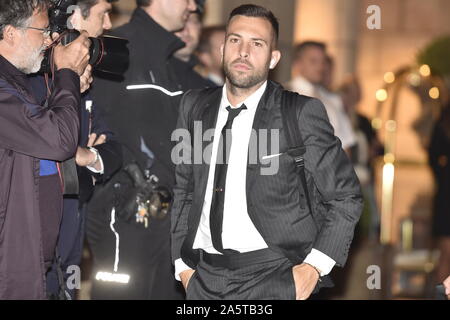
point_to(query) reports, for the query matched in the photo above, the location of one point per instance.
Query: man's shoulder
(193, 94)
(4, 84)
(196, 99)
(124, 31)
(307, 109)
(296, 99)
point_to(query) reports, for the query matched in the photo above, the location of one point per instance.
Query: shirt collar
(14, 76)
(303, 86)
(8, 68)
(251, 102)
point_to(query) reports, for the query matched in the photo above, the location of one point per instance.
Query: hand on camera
(75, 55)
(86, 79)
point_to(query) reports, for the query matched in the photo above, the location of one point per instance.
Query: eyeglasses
(45, 31)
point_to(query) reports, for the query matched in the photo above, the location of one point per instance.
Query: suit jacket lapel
(263, 118)
(208, 112)
(209, 119)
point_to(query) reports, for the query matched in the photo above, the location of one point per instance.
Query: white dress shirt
(102, 168)
(334, 106)
(88, 106)
(238, 231)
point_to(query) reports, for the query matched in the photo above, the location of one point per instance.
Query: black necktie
(220, 175)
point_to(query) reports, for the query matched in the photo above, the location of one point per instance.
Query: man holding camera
(97, 158)
(33, 139)
(142, 109)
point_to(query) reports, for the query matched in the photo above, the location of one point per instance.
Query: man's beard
(31, 62)
(248, 81)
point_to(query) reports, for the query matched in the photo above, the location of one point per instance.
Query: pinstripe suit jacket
(276, 203)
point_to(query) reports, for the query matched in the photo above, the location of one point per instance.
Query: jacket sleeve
(335, 180)
(184, 186)
(110, 151)
(45, 133)
(111, 154)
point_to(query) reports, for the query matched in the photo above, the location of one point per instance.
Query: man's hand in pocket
(186, 276)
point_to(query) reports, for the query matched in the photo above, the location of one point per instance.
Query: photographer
(97, 158)
(32, 139)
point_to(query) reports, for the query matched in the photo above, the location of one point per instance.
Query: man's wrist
(180, 267)
(95, 152)
(319, 272)
(321, 261)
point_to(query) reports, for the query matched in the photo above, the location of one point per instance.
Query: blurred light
(381, 95)
(414, 79)
(376, 123)
(425, 70)
(386, 202)
(407, 235)
(434, 93)
(112, 277)
(429, 267)
(389, 77)
(389, 158)
(391, 125)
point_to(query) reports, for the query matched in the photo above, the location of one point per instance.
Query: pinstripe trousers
(270, 280)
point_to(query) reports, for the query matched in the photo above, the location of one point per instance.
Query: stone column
(214, 13)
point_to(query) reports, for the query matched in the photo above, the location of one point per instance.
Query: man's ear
(10, 35)
(222, 48)
(276, 56)
(75, 20)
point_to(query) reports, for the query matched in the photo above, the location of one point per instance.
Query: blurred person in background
(309, 69)
(184, 61)
(439, 156)
(446, 284)
(363, 154)
(208, 53)
(141, 108)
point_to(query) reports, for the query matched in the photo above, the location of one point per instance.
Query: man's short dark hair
(300, 48)
(200, 8)
(204, 44)
(143, 3)
(17, 12)
(252, 10)
(86, 5)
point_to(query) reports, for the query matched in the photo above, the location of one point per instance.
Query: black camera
(146, 200)
(107, 54)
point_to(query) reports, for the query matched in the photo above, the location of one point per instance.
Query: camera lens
(109, 54)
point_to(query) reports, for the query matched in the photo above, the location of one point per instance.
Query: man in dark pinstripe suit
(240, 231)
